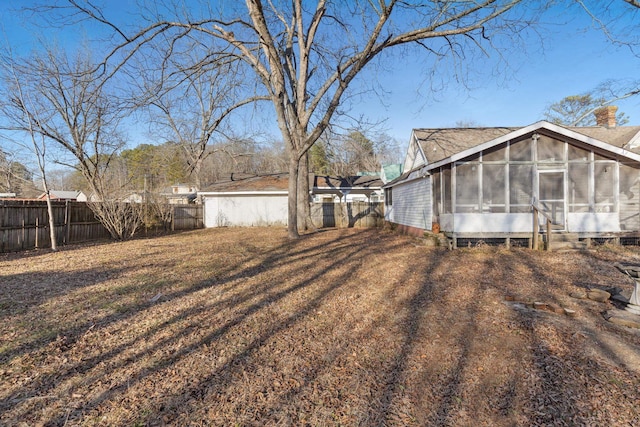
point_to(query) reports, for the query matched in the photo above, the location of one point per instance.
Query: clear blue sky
(575, 60)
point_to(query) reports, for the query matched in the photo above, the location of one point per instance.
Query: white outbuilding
(246, 200)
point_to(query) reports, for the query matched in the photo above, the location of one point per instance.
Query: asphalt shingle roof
(617, 136)
(438, 144)
(246, 182)
(280, 182)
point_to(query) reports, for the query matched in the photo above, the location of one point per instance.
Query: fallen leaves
(343, 327)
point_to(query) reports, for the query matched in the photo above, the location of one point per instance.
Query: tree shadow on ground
(244, 303)
(539, 376)
(556, 394)
(39, 287)
(335, 328)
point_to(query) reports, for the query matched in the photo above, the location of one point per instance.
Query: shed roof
(280, 182)
(248, 182)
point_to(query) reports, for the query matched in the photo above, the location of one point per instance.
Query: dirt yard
(343, 327)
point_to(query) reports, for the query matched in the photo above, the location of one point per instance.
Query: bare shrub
(159, 213)
(121, 219)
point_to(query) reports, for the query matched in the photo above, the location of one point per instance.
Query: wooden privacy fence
(187, 217)
(347, 215)
(24, 224)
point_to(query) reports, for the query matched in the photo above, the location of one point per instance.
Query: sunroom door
(551, 198)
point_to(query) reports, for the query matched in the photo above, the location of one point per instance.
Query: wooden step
(555, 246)
(563, 237)
(560, 241)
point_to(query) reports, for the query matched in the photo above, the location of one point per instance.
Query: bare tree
(360, 154)
(619, 24)
(71, 109)
(19, 107)
(252, 155)
(578, 110)
(190, 105)
(353, 153)
(63, 103)
(160, 212)
(306, 56)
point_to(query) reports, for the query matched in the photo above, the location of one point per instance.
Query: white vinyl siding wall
(245, 210)
(412, 204)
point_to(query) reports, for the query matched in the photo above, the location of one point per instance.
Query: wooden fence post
(67, 221)
(548, 235)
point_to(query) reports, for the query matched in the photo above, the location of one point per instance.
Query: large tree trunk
(304, 210)
(195, 173)
(292, 222)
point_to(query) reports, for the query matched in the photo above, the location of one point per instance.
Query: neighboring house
(134, 197)
(367, 188)
(181, 194)
(484, 182)
(390, 172)
(73, 196)
(259, 200)
(7, 195)
(178, 194)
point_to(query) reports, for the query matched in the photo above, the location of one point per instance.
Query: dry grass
(244, 327)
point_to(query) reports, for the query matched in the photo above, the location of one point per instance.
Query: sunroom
(580, 184)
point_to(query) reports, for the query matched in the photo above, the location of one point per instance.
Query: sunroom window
(467, 179)
(493, 188)
(550, 150)
(578, 196)
(604, 174)
(521, 188)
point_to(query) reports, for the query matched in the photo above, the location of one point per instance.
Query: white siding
(593, 222)
(245, 210)
(412, 204)
(489, 223)
(414, 157)
(522, 222)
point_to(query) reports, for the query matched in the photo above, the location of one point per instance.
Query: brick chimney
(606, 116)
